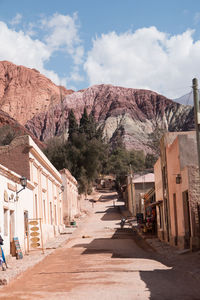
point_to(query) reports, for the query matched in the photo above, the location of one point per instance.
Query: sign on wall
(35, 234)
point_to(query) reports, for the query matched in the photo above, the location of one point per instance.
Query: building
(71, 203)
(177, 189)
(15, 204)
(150, 216)
(25, 158)
(106, 182)
(135, 187)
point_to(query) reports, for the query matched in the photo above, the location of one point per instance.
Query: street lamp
(23, 181)
(62, 189)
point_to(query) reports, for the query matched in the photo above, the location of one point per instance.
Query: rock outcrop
(25, 92)
(133, 113)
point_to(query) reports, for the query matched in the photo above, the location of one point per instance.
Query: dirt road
(102, 261)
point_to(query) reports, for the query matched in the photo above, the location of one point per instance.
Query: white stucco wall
(70, 196)
(47, 181)
(9, 204)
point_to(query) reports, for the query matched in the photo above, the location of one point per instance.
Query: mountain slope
(25, 92)
(133, 113)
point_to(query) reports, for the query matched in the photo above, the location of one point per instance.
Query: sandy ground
(102, 261)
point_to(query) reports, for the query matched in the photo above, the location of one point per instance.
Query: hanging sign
(35, 233)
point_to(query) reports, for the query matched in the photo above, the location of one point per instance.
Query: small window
(36, 207)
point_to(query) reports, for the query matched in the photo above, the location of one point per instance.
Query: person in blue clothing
(2, 257)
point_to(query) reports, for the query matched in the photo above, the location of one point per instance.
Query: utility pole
(196, 115)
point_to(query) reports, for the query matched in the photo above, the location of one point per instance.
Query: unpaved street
(102, 261)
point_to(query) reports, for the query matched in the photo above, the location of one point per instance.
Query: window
(175, 218)
(60, 215)
(55, 215)
(44, 210)
(36, 207)
(51, 213)
(5, 221)
(25, 222)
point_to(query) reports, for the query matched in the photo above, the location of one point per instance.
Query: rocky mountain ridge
(32, 99)
(134, 114)
(25, 92)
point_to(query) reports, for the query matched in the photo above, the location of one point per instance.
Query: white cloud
(63, 35)
(146, 58)
(16, 20)
(19, 47)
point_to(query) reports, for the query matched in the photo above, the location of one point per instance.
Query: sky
(146, 44)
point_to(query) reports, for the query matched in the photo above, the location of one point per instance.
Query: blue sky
(77, 43)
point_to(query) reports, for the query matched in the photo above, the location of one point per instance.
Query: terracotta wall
(161, 226)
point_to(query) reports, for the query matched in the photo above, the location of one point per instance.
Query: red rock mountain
(25, 92)
(32, 99)
(132, 113)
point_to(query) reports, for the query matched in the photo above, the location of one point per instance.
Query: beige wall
(161, 226)
(175, 192)
(71, 207)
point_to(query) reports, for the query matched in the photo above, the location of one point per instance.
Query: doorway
(187, 223)
(12, 232)
(175, 220)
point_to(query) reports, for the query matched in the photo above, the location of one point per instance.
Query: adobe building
(177, 189)
(24, 157)
(16, 206)
(71, 203)
(135, 187)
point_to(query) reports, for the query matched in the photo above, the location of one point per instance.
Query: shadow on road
(164, 278)
(170, 284)
(111, 214)
(124, 243)
(107, 198)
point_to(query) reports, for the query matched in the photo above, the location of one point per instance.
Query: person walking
(2, 257)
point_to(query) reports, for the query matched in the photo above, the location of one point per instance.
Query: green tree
(85, 123)
(73, 125)
(56, 153)
(150, 160)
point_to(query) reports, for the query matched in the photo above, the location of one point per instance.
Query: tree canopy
(87, 155)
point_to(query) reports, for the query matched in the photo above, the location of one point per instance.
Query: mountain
(135, 114)
(186, 99)
(9, 126)
(25, 92)
(36, 102)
